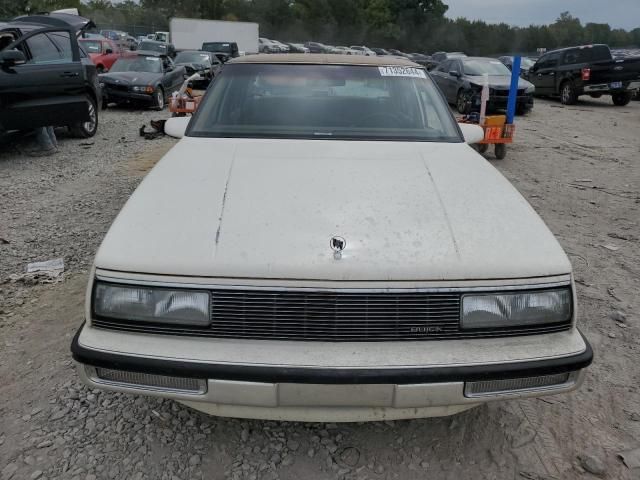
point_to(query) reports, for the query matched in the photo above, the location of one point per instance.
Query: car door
(438, 75)
(454, 80)
(216, 65)
(172, 76)
(48, 88)
(543, 73)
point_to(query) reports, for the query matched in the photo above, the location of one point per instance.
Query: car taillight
(586, 74)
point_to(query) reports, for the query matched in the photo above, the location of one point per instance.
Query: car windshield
(137, 64)
(153, 47)
(92, 46)
(481, 66)
(224, 47)
(192, 57)
(324, 102)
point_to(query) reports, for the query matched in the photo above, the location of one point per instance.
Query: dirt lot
(578, 166)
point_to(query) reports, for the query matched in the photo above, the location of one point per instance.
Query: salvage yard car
(322, 245)
(144, 78)
(103, 52)
(461, 80)
(586, 70)
(205, 64)
(46, 79)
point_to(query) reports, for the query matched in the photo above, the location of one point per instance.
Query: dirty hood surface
(268, 209)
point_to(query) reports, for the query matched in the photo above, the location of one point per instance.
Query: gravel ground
(578, 166)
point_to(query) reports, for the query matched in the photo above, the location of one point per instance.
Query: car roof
(154, 41)
(575, 47)
(148, 53)
(325, 59)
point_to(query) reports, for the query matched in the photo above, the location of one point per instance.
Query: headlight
(530, 89)
(516, 309)
(142, 89)
(146, 304)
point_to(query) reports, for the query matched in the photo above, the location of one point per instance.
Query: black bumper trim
(343, 376)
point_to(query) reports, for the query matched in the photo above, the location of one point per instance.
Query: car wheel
(482, 147)
(86, 129)
(158, 99)
(568, 94)
(621, 99)
(463, 102)
(522, 110)
(501, 151)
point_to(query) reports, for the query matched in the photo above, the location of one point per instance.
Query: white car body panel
(266, 209)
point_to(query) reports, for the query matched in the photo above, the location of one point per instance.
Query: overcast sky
(617, 13)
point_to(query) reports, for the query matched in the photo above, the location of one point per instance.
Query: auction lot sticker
(402, 72)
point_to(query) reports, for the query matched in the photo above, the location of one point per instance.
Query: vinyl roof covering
(325, 59)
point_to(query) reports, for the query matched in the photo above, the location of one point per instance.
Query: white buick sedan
(323, 245)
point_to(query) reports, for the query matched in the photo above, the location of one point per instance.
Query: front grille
(499, 92)
(117, 88)
(495, 387)
(145, 380)
(331, 316)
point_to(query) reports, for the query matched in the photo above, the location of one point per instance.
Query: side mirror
(453, 73)
(176, 126)
(108, 51)
(12, 57)
(471, 132)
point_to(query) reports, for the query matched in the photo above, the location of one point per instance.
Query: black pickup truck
(586, 70)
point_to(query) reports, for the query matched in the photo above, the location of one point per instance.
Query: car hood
(132, 78)
(499, 81)
(194, 66)
(267, 209)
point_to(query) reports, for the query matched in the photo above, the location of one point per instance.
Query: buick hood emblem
(337, 244)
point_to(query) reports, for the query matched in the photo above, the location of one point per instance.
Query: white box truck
(191, 33)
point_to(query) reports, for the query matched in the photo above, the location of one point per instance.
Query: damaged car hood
(131, 78)
(268, 209)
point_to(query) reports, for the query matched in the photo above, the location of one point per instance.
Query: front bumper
(606, 87)
(122, 96)
(315, 381)
(524, 102)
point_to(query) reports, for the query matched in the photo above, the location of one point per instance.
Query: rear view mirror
(9, 58)
(472, 133)
(176, 126)
(453, 73)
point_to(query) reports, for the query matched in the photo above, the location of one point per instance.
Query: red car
(103, 52)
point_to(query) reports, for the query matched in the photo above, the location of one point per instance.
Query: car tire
(482, 147)
(501, 151)
(158, 99)
(621, 99)
(86, 129)
(568, 94)
(522, 110)
(463, 102)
